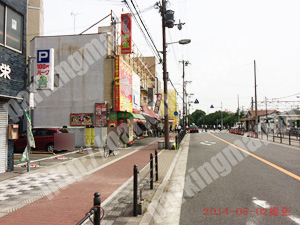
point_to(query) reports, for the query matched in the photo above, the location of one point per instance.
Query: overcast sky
(226, 37)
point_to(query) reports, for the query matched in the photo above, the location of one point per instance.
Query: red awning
(136, 111)
(149, 112)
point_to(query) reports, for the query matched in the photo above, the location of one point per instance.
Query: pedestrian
(179, 128)
(214, 127)
(64, 129)
(219, 126)
(205, 126)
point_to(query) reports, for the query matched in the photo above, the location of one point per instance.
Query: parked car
(194, 129)
(43, 137)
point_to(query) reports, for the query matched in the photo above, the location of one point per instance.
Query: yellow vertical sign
(90, 136)
(87, 136)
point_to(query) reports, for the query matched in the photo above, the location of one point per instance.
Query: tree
(197, 116)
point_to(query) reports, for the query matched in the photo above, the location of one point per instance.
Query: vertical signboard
(100, 115)
(45, 68)
(126, 33)
(123, 85)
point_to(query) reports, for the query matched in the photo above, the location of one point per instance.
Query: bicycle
(107, 152)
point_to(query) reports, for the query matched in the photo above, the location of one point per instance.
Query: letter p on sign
(43, 56)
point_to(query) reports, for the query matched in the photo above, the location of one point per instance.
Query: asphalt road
(252, 182)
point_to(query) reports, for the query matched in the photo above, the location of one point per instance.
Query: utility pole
(256, 118)
(266, 117)
(252, 103)
(184, 63)
(221, 116)
(165, 77)
(238, 109)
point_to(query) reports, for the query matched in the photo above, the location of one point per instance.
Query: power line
(150, 44)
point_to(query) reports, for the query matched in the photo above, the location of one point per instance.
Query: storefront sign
(123, 85)
(126, 33)
(100, 115)
(81, 119)
(45, 69)
(5, 71)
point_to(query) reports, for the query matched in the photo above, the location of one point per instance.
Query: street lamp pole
(165, 77)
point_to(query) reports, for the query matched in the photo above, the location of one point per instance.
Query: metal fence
(137, 182)
(95, 210)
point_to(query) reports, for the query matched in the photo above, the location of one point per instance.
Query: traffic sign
(175, 113)
(196, 101)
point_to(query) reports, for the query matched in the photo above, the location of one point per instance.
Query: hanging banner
(126, 33)
(30, 137)
(123, 85)
(45, 69)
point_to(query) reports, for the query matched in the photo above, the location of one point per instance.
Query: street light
(182, 42)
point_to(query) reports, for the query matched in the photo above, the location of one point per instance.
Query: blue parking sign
(43, 56)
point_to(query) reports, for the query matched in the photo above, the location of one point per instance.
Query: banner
(123, 85)
(89, 136)
(126, 33)
(30, 139)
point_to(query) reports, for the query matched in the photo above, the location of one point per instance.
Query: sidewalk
(65, 192)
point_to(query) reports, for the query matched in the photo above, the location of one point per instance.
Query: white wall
(79, 61)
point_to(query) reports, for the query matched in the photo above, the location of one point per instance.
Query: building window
(1, 24)
(11, 28)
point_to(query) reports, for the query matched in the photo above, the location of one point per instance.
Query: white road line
(260, 203)
(295, 219)
(266, 205)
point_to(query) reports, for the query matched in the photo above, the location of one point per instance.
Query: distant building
(35, 21)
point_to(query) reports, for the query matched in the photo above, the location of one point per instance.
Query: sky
(226, 38)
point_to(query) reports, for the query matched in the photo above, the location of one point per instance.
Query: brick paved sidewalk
(71, 203)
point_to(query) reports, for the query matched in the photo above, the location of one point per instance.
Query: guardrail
(290, 139)
(136, 183)
(95, 210)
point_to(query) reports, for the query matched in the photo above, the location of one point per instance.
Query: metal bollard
(135, 189)
(156, 165)
(176, 141)
(280, 138)
(97, 203)
(289, 138)
(151, 171)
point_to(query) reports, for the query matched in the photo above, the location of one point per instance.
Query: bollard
(156, 165)
(289, 138)
(151, 171)
(135, 189)
(176, 141)
(280, 138)
(97, 203)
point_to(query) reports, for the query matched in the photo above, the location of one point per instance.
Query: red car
(43, 137)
